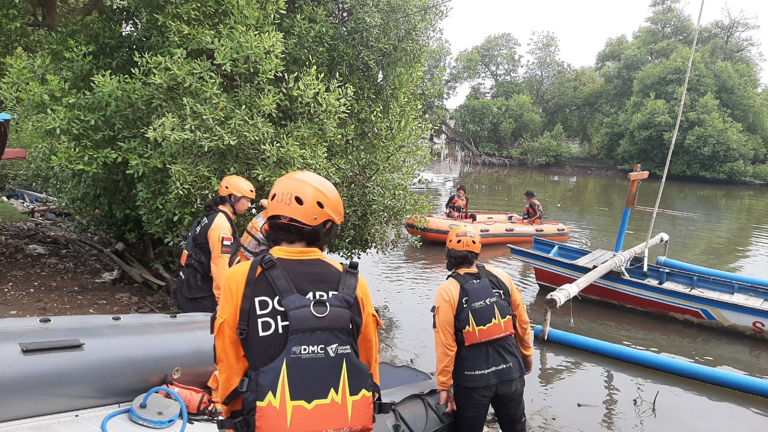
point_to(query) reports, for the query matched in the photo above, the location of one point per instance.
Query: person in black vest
(294, 325)
(533, 213)
(483, 339)
(212, 245)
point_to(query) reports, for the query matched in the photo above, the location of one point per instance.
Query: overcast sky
(582, 26)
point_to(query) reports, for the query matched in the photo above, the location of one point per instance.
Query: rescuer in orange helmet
(254, 243)
(212, 245)
(482, 339)
(294, 325)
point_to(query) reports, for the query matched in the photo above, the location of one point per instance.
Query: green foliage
(496, 59)
(137, 112)
(723, 129)
(499, 124)
(522, 107)
(543, 66)
(547, 149)
(575, 101)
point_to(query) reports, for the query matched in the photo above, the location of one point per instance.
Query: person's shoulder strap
(458, 277)
(497, 283)
(482, 271)
(349, 277)
(277, 278)
(249, 291)
(231, 222)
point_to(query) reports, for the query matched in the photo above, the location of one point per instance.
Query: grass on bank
(8, 213)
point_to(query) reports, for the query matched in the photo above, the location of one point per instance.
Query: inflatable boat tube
(415, 401)
(64, 365)
(60, 364)
(494, 228)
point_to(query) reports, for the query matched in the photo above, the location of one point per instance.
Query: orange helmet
(307, 198)
(238, 186)
(464, 238)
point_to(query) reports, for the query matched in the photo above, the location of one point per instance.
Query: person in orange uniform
(296, 336)
(253, 243)
(533, 213)
(211, 244)
(482, 339)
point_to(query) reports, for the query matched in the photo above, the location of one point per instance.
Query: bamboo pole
(568, 291)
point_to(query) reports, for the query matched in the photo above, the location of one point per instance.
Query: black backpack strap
(245, 305)
(460, 278)
(231, 222)
(348, 281)
(242, 328)
(277, 277)
(482, 271)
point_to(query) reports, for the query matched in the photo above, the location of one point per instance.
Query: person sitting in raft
(457, 205)
(533, 213)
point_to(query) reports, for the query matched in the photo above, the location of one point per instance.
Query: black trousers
(506, 398)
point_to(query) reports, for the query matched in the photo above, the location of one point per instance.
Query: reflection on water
(571, 389)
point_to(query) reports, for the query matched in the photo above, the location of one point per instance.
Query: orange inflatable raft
(494, 228)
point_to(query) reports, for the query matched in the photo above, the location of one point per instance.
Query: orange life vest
(483, 315)
(197, 401)
(459, 203)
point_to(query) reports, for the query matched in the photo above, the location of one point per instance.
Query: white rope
(674, 138)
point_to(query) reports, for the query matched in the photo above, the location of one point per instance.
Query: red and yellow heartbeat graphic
(497, 328)
(279, 413)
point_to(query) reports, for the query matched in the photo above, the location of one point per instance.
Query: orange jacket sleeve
(368, 341)
(230, 358)
(220, 232)
(443, 326)
(523, 327)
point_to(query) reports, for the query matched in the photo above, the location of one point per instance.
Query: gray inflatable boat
(67, 373)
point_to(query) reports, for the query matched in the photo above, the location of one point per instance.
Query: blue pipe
(622, 230)
(746, 384)
(690, 268)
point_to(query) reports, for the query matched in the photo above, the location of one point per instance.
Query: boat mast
(634, 178)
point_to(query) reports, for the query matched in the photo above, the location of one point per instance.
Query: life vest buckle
(242, 386)
(267, 262)
(242, 331)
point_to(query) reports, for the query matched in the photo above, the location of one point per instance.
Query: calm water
(726, 229)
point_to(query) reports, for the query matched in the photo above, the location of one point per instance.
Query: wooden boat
(69, 373)
(494, 228)
(693, 297)
(690, 293)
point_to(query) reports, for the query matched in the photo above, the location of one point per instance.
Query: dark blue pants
(506, 398)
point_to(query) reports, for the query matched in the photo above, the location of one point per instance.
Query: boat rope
(674, 139)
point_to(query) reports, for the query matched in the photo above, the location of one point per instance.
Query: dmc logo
(332, 349)
(312, 349)
(308, 351)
